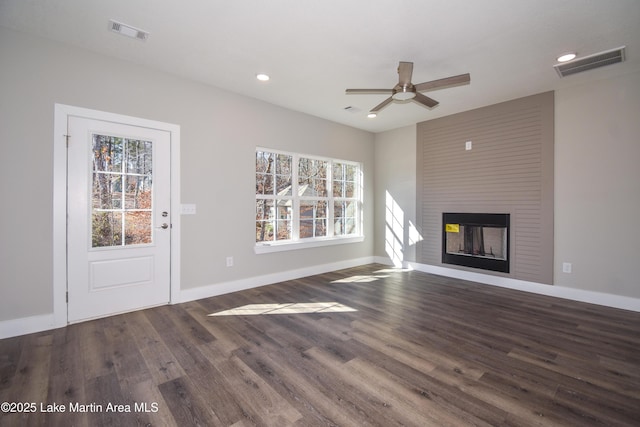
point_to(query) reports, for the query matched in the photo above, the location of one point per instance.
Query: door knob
(164, 226)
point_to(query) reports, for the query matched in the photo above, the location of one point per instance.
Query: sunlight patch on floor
(359, 279)
(394, 270)
(287, 308)
(377, 275)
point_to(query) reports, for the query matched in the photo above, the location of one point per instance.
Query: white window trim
(302, 243)
(291, 245)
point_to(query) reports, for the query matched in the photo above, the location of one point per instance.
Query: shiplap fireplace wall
(496, 159)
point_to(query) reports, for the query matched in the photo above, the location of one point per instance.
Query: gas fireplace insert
(477, 240)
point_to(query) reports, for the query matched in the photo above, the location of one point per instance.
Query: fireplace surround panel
(508, 170)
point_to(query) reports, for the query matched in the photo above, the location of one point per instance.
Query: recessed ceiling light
(262, 77)
(566, 57)
(371, 115)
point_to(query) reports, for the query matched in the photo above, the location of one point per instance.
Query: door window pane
(122, 193)
(107, 229)
(137, 230)
(139, 157)
(138, 192)
(107, 191)
(107, 153)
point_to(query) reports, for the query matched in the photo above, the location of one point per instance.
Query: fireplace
(477, 240)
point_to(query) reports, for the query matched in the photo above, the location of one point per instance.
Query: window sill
(265, 248)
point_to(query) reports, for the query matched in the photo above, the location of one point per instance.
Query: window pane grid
(121, 199)
(317, 198)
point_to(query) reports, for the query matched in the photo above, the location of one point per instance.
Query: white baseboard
(267, 279)
(592, 297)
(45, 322)
(27, 325)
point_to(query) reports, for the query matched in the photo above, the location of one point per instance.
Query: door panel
(119, 235)
(120, 272)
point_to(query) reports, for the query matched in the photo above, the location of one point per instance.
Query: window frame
(295, 199)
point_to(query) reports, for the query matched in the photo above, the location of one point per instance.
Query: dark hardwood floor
(392, 348)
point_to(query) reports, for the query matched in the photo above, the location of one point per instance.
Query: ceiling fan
(405, 90)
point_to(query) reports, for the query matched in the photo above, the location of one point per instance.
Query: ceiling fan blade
(405, 70)
(381, 105)
(425, 100)
(444, 83)
(368, 91)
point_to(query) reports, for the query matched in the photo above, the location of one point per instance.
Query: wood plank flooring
(394, 348)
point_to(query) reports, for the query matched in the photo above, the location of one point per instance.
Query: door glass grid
(122, 193)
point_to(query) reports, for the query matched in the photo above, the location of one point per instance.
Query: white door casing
(104, 279)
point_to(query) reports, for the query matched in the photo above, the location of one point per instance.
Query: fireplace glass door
(478, 240)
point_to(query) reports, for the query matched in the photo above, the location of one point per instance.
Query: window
(301, 199)
(121, 191)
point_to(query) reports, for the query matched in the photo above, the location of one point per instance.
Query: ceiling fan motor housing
(404, 93)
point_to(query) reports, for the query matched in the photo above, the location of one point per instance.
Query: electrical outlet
(566, 267)
(468, 145)
(229, 261)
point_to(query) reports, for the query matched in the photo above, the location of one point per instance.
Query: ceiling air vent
(590, 62)
(128, 30)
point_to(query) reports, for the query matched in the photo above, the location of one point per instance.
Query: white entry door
(119, 225)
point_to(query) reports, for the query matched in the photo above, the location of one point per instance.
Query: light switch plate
(188, 209)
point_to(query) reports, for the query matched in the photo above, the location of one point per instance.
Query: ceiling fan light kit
(407, 91)
(404, 93)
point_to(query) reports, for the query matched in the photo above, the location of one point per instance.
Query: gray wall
(395, 199)
(597, 185)
(597, 189)
(219, 133)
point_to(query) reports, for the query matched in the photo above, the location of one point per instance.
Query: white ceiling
(315, 49)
